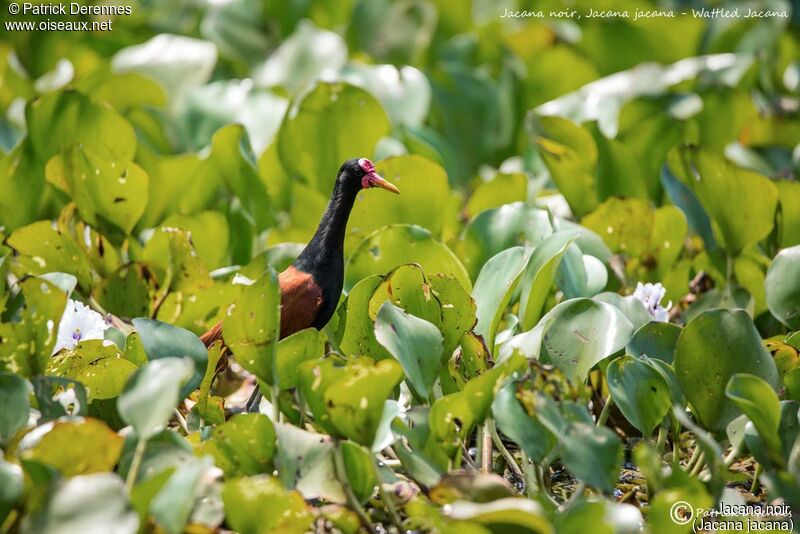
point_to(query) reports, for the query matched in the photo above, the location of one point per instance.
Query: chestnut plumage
(311, 286)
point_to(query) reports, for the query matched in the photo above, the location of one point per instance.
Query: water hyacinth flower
(78, 323)
(650, 296)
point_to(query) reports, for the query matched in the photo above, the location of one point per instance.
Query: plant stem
(486, 449)
(133, 471)
(504, 452)
(693, 459)
(341, 474)
(542, 486)
(275, 393)
(699, 465)
(529, 474)
(603, 417)
(729, 277)
(465, 456)
(574, 497)
(754, 485)
(732, 455)
(662, 437)
(182, 421)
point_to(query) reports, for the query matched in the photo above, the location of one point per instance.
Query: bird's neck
(328, 241)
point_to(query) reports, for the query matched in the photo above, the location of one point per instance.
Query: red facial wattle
(372, 178)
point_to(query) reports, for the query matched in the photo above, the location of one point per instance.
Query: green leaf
(260, 503)
(415, 343)
(640, 392)
(326, 111)
(252, 327)
(73, 446)
(655, 340)
(59, 119)
(423, 191)
(101, 368)
(494, 288)
(97, 502)
(304, 461)
(390, 246)
(57, 397)
(128, 292)
(11, 486)
(575, 335)
(593, 454)
(526, 431)
(46, 250)
(355, 331)
(27, 344)
(783, 287)
(162, 340)
(760, 404)
(524, 516)
(540, 274)
(152, 393)
(103, 189)
(355, 403)
(625, 224)
(741, 203)
(359, 466)
(570, 153)
(714, 346)
(248, 442)
(172, 506)
(14, 404)
(498, 229)
(307, 344)
(501, 189)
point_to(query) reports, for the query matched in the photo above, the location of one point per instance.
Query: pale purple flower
(650, 296)
(78, 323)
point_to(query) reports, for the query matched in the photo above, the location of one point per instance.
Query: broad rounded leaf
(390, 246)
(714, 346)
(260, 503)
(152, 393)
(760, 404)
(640, 392)
(783, 287)
(14, 404)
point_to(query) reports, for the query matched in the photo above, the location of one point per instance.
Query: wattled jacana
(311, 286)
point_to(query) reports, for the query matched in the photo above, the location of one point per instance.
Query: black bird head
(359, 173)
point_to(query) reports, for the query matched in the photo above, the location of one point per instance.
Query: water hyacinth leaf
(494, 288)
(517, 515)
(625, 224)
(58, 396)
(152, 393)
(162, 340)
(73, 446)
(252, 326)
(630, 306)
(713, 347)
(655, 340)
(248, 442)
(326, 109)
(540, 273)
(683, 197)
(503, 188)
(11, 486)
(593, 454)
(415, 343)
(498, 229)
(457, 308)
(293, 350)
(27, 344)
(390, 246)
(45, 249)
(355, 330)
(408, 288)
(741, 203)
(639, 391)
(355, 403)
(525, 430)
(102, 189)
(359, 467)
(783, 287)
(789, 221)
(423, 191)
(128, 292)
(580, 275)
(304, 461)
(14, 404)
(53, 124)
(579, 333)
(172, 505)
(570, 153)
(759, 402)
(99, 366)
(260, 503)
(87, 503)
